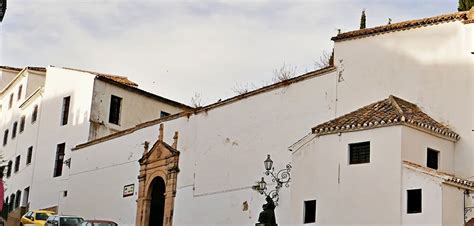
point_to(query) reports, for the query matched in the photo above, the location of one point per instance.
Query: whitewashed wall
(222, 154)
(46, 189)
(415, 144)
(361, 194)
(432, 196)
(430, 66)
(18, 146)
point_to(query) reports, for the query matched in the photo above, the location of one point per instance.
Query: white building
(219, 152)
(47, 111)
(428, 62)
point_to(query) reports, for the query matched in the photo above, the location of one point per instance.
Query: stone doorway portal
(157, 183)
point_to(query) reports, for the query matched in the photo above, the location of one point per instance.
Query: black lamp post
(281, 178)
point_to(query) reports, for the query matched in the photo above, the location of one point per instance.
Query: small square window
(359, 153)
(309, 211)
(432, 159)
(414, 201)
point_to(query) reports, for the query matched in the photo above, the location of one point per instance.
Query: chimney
(175, 140)
(160, 136)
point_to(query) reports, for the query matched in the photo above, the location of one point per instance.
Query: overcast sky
(179, 48)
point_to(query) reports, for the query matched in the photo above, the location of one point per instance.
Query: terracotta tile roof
(461, 16)
(388, 112)
(116, 78)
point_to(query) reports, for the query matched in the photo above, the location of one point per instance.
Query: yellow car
(36, 217)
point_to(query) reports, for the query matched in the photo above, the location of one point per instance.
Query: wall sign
(128, 190)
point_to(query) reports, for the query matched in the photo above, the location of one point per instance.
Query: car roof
(42, 211)
(100, 221)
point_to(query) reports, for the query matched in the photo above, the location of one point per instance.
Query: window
(26, 196)
(9, 168)
(34, 116)
(164, 114)
(15, 125)
(7, 204)
(20, 89)
(5, 138)
(115, 105)
(17, 164)
(309, 211)
(414, 201)
(12, 202)
(359, 153)
(10, 103)
(64, 193)
(65, 110)
(22, 123)
(17, 199)
(432, 159)
(58, 166)
(29, 155)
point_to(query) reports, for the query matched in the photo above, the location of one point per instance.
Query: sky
(179, 49)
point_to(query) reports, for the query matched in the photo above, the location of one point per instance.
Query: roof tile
(388, 112)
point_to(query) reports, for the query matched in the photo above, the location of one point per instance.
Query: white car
(64, 221)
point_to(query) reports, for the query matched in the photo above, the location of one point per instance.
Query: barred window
(359, 153)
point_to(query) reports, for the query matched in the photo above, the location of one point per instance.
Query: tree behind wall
(363, 19)
(465, 5)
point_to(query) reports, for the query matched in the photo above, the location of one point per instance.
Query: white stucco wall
(18, 146)
(135, 109)
(432, 197)
(222, 154)
(416, 143)
(46, 189)
(361, 194)
(453, 214)
(430, 66)
(6, 76)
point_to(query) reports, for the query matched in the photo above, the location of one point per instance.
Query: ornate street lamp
(281, 178)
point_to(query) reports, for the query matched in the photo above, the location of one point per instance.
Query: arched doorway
(157, 183)
(157, 202)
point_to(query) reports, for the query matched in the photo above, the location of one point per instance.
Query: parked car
(98, 223)
(64, 221)
(36, 217)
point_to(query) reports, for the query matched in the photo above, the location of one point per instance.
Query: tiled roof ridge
(387, 112)
(404, 25)
(394, 103)
(10, 68)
